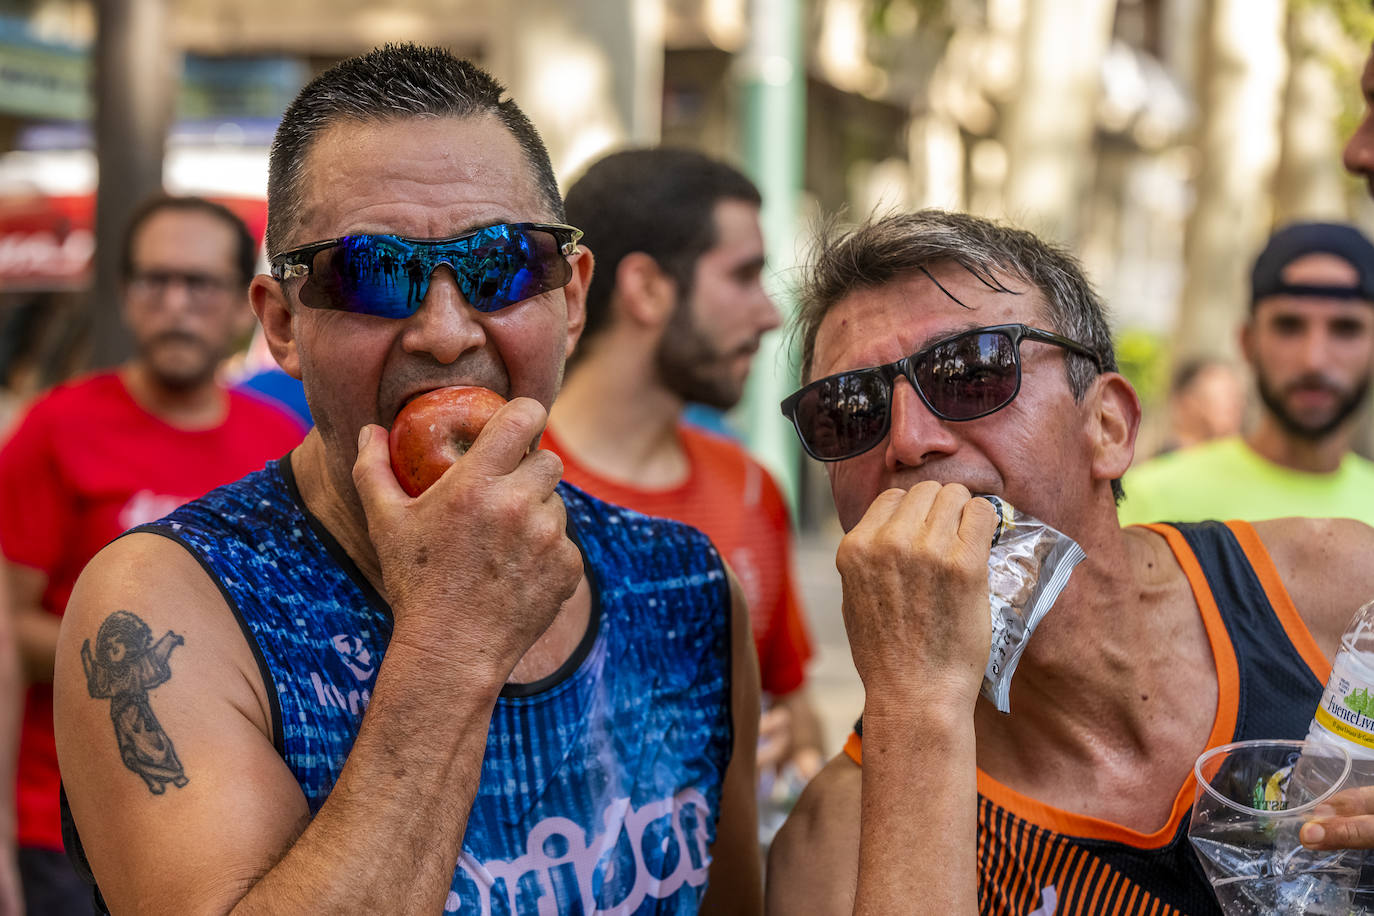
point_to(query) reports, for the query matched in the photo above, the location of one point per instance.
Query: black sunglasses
(388, 275)
(963, 377)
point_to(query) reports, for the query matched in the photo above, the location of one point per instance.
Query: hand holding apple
(432, 431)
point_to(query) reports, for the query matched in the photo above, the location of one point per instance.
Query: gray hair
(887, 248)
(390, 83)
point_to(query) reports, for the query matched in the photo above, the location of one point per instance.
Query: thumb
(372, 473)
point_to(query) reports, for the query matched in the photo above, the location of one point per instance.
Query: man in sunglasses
(327, 696)
(674, 317)
(945, 357)
(118, 448)
(1310, 341)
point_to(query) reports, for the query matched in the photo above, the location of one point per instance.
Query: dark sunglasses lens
(969, 376)
(506, 265)
(367, 275)
(843, 416)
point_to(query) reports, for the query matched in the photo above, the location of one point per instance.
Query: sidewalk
(835, 689)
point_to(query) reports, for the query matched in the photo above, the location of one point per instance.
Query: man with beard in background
(1310, 342)
(674, 316)
(116, 449)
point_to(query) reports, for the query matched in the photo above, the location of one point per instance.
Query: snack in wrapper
(1029, 567)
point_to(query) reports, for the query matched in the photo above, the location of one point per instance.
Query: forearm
(389, 835)
(11, 715)
(918, 831)
(36, 637)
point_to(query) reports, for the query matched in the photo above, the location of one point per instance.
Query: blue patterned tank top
(601, 785)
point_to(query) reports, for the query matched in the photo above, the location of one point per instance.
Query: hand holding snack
(914, 572)
(1028, 568)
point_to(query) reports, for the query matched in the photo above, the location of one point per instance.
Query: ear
(645, 293)
(274, 313)
(1246, 336)
(575, 296)
(1115, 422)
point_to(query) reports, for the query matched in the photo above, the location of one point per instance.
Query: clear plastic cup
(1252, 799)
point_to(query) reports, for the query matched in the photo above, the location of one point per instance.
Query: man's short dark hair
(888, 248)
(658, 201)
(390, 83)
(245, 248)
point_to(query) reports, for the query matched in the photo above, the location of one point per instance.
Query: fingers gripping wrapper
(1029, 567)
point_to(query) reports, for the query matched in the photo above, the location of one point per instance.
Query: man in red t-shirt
(113, 450)
(674, 315)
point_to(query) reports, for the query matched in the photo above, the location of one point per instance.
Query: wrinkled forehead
(430, 177)
(875, 325)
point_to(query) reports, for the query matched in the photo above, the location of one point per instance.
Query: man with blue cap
(1310, 342)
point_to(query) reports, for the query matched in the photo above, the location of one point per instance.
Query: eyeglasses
(963, 377)
(199, 287)
(389, 275)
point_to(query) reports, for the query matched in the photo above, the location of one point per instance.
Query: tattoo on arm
(125, 665)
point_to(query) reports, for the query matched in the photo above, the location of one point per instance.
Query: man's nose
(1315, 348)
(445, 326)
(1359, 149)
(769, 315)
(915, 435)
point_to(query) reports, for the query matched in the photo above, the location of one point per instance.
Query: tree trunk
(589, 73)
(1309, 185)
(1242, 72)
(1050, 126)
(133, 91)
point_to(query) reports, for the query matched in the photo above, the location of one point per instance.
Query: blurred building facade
(1159, 139)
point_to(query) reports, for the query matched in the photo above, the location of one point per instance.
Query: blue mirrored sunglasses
(389, 275)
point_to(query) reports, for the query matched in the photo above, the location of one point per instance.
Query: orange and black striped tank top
(1037, 860)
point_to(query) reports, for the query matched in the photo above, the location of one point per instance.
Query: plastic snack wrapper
(1029, 567)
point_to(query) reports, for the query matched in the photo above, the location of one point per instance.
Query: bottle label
(1347, 707)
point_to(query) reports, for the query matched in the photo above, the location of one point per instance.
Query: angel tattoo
(126, 664)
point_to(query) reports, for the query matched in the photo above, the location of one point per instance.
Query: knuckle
(509, 506)
(958, 491)
(548, 462)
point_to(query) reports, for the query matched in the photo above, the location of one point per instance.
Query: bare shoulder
(1325, 566)
(822, 828)
(163, 734)
(159, 581)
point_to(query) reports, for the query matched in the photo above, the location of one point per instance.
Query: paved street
(835, 688)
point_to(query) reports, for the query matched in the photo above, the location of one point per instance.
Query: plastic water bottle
(1345, 715)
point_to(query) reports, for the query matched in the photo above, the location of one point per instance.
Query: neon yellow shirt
(1226, 479)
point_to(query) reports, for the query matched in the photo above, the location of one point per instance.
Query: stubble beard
(1348, 402)
(690, 365)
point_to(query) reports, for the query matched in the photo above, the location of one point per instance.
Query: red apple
(434, 429)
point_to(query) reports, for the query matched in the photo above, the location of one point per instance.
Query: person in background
(1309, 342)
(112, 450)
(674, 315)
(1206, 402)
